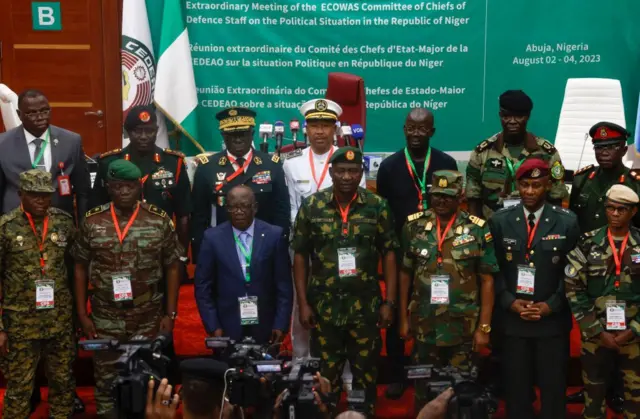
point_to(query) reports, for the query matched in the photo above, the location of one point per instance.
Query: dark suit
(66, 148)
(263, 175)
(219, 282)
(534, 351)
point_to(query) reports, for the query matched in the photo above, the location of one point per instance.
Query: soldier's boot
(615, 391)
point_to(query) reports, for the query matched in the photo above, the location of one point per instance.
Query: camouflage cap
(36, 180)
(447, 182)
(121, 169)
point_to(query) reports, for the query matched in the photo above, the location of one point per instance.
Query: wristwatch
(485, 328)
(172, 315)
(184, 260)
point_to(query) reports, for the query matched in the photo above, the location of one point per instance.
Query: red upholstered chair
(347, 90)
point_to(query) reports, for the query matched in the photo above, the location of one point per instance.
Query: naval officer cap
(321, 109)
(140, 115)
(622, 195)
(236, 119)
(532, 168)
(604, 133)
(516, 103)
(346, 155)
(124, 170)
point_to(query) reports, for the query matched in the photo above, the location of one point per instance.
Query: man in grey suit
(38, 144)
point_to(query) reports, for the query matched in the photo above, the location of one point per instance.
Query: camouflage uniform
(444, 332)
(590, 283)
(34, 333)
(490, 180)
(346, 308)
(150, 245)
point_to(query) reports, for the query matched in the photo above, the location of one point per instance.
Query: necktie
(240, 162)
(38, 143)
(244, 238)
(532, 220)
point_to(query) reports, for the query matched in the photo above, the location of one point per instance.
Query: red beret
(533, 168)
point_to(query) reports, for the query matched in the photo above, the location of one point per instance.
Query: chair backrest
(586, 102)
(8, 107)
(347, 90)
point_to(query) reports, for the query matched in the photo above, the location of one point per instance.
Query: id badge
(248, 310)
(347, 262)
(440, 289)
(616, 319)
(44, 294)
(122, 287)
(511, 202)
(526, 280)
(64, 185)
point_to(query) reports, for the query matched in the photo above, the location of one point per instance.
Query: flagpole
(195, 143)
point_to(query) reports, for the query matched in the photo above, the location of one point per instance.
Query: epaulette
(415, 216)
(548, 147)
(291, 154)
(275, 158)
(202, 159)
(635, 175)
(485, 144)
(562, 210)
(97, 210)
(174, 153)
(110, 153)
(583, 170)
(477, 220)
(154, 209)
(58, 211)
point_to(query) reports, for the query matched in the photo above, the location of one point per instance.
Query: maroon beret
(532, 168)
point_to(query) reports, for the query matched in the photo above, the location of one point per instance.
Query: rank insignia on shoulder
(97, 210)
(222, 161)
(482, 146)
(174, 152)
(110, 153)
(548, 147)
(257, 160)
(415, 216)
(275, 158)
(584, 169)
(295, 153)
(557, 171)
(157, 211)
(202, 159)
(477, 220)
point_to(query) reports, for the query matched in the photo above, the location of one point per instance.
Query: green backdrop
(462, 54)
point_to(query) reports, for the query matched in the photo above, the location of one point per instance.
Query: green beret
(447, 182)
(123, 170)
(347, 155)
(36, 180)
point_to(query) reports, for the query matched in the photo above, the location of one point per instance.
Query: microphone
(335, 136)
(358, 134)
(346, 133)
(279, 130)
(266, 131)
(294, 127)
(159, 343)
(304, 132)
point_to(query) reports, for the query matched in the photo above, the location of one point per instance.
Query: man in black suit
(239, 164)
(38, 144)
(532, 240)
(403, 181)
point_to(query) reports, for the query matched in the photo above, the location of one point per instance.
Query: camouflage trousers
(357, 343)
(459, 356)
(58, 354)
(123, 325)
(597, 363)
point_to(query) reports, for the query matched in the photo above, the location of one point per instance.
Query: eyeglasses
(413, 130)
(613, 209)
(34, 114)
(607, 147)
(240, 208)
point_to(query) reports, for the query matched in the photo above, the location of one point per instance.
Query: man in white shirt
(306, 172)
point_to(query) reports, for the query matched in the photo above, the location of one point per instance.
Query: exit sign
(46, 16)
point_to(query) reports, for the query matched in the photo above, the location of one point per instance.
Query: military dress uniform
(216, 175)
(134, 307)
(444, 305)
(37, 306)
(343, 288)
(531, 250)
(602, 300)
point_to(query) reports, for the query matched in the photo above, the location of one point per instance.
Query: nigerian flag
(175, 90)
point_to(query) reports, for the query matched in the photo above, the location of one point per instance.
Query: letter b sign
(46, 16)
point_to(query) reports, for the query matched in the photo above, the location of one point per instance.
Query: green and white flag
(138, 64)
(175, 92)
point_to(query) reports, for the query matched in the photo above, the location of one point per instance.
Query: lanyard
(443, 236)
(531, 232)
(324, 170)
(45, 227)
(512, 173)
(617, 257)
(142, 182)
(237, 172)
(37, 159)
(344, 214)
(247, 257)
(123, 234)
(422, 188)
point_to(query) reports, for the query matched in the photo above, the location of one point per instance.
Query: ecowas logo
(138, 74)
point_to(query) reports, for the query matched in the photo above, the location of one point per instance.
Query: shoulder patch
(174, 153)
(275, 158)
(291, 154)
(154, 210)
(97, 210)
(477, 220)
(202, 159)
(485, 144)
(585, 169)
(415, 216)
(635, 175)
(110, 153)
(548, 147)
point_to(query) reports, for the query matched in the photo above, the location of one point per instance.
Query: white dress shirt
(537, 214)
(46, 155)
(245, 157)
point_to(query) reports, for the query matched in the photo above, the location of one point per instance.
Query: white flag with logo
(138, 65)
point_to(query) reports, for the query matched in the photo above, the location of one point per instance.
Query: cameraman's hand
(88, 328)
(276, 337)
(164, 406)
(321, 388)
(437, 408)
(386, 316)
(4, 343)
(307, 318)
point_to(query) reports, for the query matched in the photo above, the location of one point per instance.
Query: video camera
(140, 359)
(470, 400)
(296, 385)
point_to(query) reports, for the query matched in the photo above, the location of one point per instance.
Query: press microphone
(346, 133)
(335, 136)
(358, 134)
(279, 130)
(304, 133)
(266, 131)
(294, 127)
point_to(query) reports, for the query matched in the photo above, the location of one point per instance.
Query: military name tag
(347, 262)
(526, 280)
(305, 181)
(45, 294)
(616, 319)
(122, 290)
(440, 289)
(248, 310)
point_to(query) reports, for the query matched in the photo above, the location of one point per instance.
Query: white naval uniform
(300, 182)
